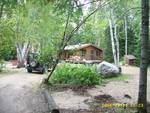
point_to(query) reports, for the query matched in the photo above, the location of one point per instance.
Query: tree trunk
(114, 40)
(126, 35)
(142, 95)
(22, 51)
(1, 10)
(116, 46)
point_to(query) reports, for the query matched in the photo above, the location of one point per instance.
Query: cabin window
(92, 52)
(83, 53)
(98, 53)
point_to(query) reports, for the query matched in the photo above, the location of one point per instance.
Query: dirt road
(19, 93)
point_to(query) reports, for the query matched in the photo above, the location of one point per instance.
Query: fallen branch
(51, 103)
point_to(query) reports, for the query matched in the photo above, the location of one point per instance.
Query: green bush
(2, 65)
(75, 75)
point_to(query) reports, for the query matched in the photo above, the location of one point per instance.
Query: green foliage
(7, 45)
(68, 6)
(46, 57)
(108, 55)
(42, 22)
(48, 34)
(75, 75)
(2, 65)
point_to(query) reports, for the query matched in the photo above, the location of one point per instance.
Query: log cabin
(82, 52)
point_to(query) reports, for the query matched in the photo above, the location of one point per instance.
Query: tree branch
(82, 22)
(1, 10)
(60, 47)
(65, 30)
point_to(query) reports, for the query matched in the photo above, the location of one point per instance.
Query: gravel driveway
(19, 93)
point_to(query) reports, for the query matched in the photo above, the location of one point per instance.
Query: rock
(126, 81)
(127, 96)
(107, 69)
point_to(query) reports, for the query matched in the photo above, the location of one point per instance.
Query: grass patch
(126, 110)
(7, 72)
(75, 75)
(121, 77)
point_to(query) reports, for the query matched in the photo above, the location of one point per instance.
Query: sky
(85, 8)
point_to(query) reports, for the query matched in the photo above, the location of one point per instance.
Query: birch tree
(22, 51)
(125, 5)
(126, 35)
(114, 38)
(22, 47)
(26, 25)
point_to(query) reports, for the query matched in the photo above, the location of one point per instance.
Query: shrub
(2, 65)
(75, 75)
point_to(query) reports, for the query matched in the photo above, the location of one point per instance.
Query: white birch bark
(117, 46)
(114, 38)
(126, 36)
(22, 51)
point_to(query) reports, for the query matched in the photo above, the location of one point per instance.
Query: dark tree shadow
(148, 107)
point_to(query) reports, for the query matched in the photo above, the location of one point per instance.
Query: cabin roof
(79, 46)
(130, 57)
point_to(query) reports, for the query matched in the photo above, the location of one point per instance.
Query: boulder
(107, 69)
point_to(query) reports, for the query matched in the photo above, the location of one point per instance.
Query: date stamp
(118, 105)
